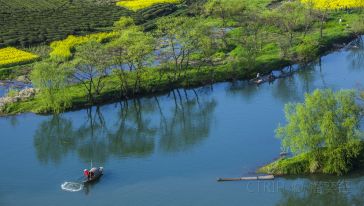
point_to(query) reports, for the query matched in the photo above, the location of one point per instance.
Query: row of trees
(179, 43)
(242, 35)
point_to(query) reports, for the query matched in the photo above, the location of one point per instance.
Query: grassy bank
(263, 42)
(303, 164)
(155, 80)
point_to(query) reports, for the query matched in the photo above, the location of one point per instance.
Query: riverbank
(303, 164)
(155, 82)
(224, 63)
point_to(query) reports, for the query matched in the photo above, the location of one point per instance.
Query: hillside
(25, 23)
(31, 22)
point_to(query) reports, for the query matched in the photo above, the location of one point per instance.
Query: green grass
(304, 164)
(288, 166)
(268, 58)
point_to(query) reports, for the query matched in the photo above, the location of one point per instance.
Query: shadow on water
(139, 126)
(335, 192)
(356, 55)
(288, 89)
(88, 186)
(189, 124)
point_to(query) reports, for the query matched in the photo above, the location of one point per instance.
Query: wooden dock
(264, 177)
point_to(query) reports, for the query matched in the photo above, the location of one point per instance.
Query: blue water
(169, 150)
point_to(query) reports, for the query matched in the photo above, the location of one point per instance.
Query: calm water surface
(169, 150)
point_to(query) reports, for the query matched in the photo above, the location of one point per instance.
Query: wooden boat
(263, 79)
(97, 173)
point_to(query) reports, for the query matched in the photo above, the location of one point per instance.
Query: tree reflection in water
(135, 130)
(53, 139)
(323, 193)
(134, 133)
(356, 55)
(189, 124)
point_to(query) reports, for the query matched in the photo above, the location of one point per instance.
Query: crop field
(31, 4)
(31, 22)
(61, 50)
(13, 56)
(335, 4)
(142, 4)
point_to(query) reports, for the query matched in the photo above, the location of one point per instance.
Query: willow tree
(52, 79)
(326, 127)
(90, 68)
(132, 53)
(186, 42)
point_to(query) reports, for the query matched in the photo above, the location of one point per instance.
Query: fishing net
(72, 186)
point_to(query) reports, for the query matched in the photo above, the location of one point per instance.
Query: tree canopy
(326, 125)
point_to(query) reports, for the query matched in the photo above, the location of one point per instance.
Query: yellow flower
(335, 4)
(62, 50)
(141, 4)
(11, 55)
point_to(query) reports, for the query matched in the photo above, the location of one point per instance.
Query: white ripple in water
(72, 186)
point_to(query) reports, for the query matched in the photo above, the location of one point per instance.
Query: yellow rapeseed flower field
(13, 56)
(335, 4)
(62, 50)
(141, 4)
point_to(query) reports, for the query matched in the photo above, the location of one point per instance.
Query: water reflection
(243, 88)
(336, 192)
(134, 132)
(356, 55)
(53, 139)
(173, 124)
(189, 124)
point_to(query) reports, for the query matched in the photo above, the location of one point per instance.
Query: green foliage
(12, 92)
(51, 79)
(123, 23)
(307, 50)
(326, 120)
(133, 49)
(90, 68)
(339, 160)
(297, 165)
(185, 38)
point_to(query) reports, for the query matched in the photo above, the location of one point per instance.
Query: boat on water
(93, 174)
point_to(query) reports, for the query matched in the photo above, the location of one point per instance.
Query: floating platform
(264, 177)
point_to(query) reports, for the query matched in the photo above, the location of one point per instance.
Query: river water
(169, 150)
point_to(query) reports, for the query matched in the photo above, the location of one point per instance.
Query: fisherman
(86, 173)
(93, 171)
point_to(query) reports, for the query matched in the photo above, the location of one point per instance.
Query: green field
(31, 22)
(25, 23)
(9, 5)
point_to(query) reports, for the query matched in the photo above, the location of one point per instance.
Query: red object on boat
(86, 172)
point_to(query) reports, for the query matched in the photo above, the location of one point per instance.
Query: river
(169, 150)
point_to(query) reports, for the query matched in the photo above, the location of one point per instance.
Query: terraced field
(30, 22)
(9, 5)
(142, 4)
